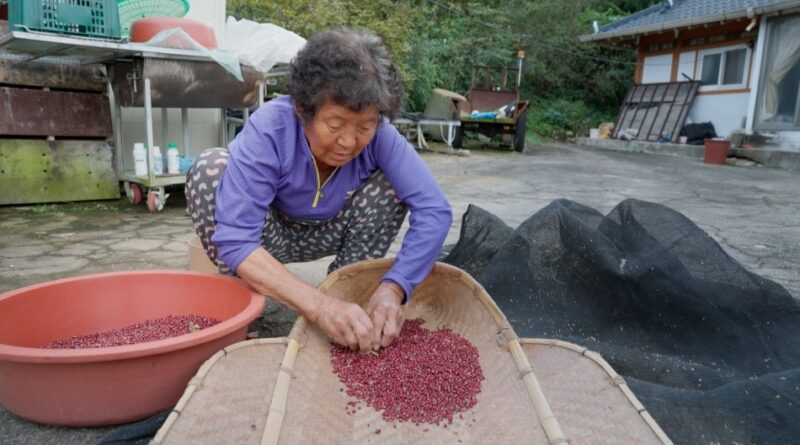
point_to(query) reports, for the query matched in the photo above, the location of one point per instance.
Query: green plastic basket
(94, 18)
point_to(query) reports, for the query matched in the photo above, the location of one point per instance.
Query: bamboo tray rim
(295, 341)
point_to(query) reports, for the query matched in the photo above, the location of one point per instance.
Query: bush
(573, 86)
(558, 119)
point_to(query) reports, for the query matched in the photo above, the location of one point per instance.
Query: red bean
(423, 377)
(148, 330)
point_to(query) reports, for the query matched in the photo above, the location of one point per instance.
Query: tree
(435, 43)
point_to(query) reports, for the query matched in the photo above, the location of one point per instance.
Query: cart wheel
(152, 202)
(134, 192)
(458, 139)
(156, 199)
(519, 137)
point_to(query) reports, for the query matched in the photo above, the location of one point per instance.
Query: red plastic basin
(105, 386)
(143, 30)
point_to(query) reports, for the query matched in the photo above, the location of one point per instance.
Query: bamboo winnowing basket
(283, 391)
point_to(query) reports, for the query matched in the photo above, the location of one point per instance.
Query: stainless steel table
(145, 76)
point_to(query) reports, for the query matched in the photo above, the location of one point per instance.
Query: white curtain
(785, 42)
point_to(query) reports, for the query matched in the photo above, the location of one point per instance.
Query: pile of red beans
(148, 330)
(423, 377)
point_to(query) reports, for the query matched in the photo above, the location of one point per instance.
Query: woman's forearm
(269, 277)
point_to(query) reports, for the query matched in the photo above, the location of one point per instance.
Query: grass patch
(48, 209)
(61, 209)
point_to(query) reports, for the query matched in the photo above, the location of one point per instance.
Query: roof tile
(681, 11)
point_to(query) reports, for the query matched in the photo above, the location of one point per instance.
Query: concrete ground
(767, 156)
(753, 212)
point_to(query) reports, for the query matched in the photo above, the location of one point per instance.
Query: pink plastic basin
(105, 386)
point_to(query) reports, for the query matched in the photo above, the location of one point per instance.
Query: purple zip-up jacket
(270, 165)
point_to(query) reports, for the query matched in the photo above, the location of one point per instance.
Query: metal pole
(223, 130)
(164, 132)
(262, 91)
(520, 56)
(119, 153)
(148, 120)
(185, 130)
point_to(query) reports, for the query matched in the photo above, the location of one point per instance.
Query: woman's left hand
(386, 312)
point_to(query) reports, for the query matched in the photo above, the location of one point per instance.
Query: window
(710, 73)
(724, 68)
(779, 93)
(733, 73)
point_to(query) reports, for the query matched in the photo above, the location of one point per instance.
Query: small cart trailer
(490, 90)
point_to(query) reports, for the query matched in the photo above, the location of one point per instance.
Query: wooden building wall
(55, 133)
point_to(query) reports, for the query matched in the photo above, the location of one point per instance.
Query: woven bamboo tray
(283, 391)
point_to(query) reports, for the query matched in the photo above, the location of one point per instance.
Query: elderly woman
(322, 172)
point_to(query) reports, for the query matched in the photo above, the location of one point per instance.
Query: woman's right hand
(345, 323)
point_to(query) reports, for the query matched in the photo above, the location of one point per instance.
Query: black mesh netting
(138, 433)
(709, 348)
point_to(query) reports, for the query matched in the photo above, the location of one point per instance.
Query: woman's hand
(344, 323)
(387, 313)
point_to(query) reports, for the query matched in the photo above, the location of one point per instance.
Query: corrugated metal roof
(684, 13)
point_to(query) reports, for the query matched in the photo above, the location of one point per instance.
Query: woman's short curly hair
(352, 68)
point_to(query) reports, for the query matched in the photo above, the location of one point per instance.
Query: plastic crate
(95, 18)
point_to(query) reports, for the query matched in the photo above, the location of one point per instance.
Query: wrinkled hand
(345, 323)
(387, 313)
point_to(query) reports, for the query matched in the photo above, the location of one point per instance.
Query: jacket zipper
(318, 194)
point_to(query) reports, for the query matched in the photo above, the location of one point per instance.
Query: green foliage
(435, 43)
(48, 209)
(60, 209)
(631, 6)
(561, 118)
(391, 20)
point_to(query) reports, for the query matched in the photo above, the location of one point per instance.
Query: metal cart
(168, 82)
(145, 76)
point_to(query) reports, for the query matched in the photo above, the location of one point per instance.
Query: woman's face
(336, 135)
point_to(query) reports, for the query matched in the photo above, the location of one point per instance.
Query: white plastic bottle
(173, 164)
(158, 161)
(139, 159)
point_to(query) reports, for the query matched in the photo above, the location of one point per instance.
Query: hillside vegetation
(572, 86)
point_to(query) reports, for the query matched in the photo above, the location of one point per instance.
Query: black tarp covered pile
(710, 349)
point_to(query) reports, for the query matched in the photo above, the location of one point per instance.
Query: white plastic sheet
(178, 38)
(260, 45)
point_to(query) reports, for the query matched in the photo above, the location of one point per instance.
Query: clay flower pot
(716, 151)
(110, 385)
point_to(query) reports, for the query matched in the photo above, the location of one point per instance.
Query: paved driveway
(754, 213)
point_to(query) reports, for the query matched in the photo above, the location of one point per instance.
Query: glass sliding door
(778, 96)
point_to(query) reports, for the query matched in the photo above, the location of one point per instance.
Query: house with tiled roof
(745, 53)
